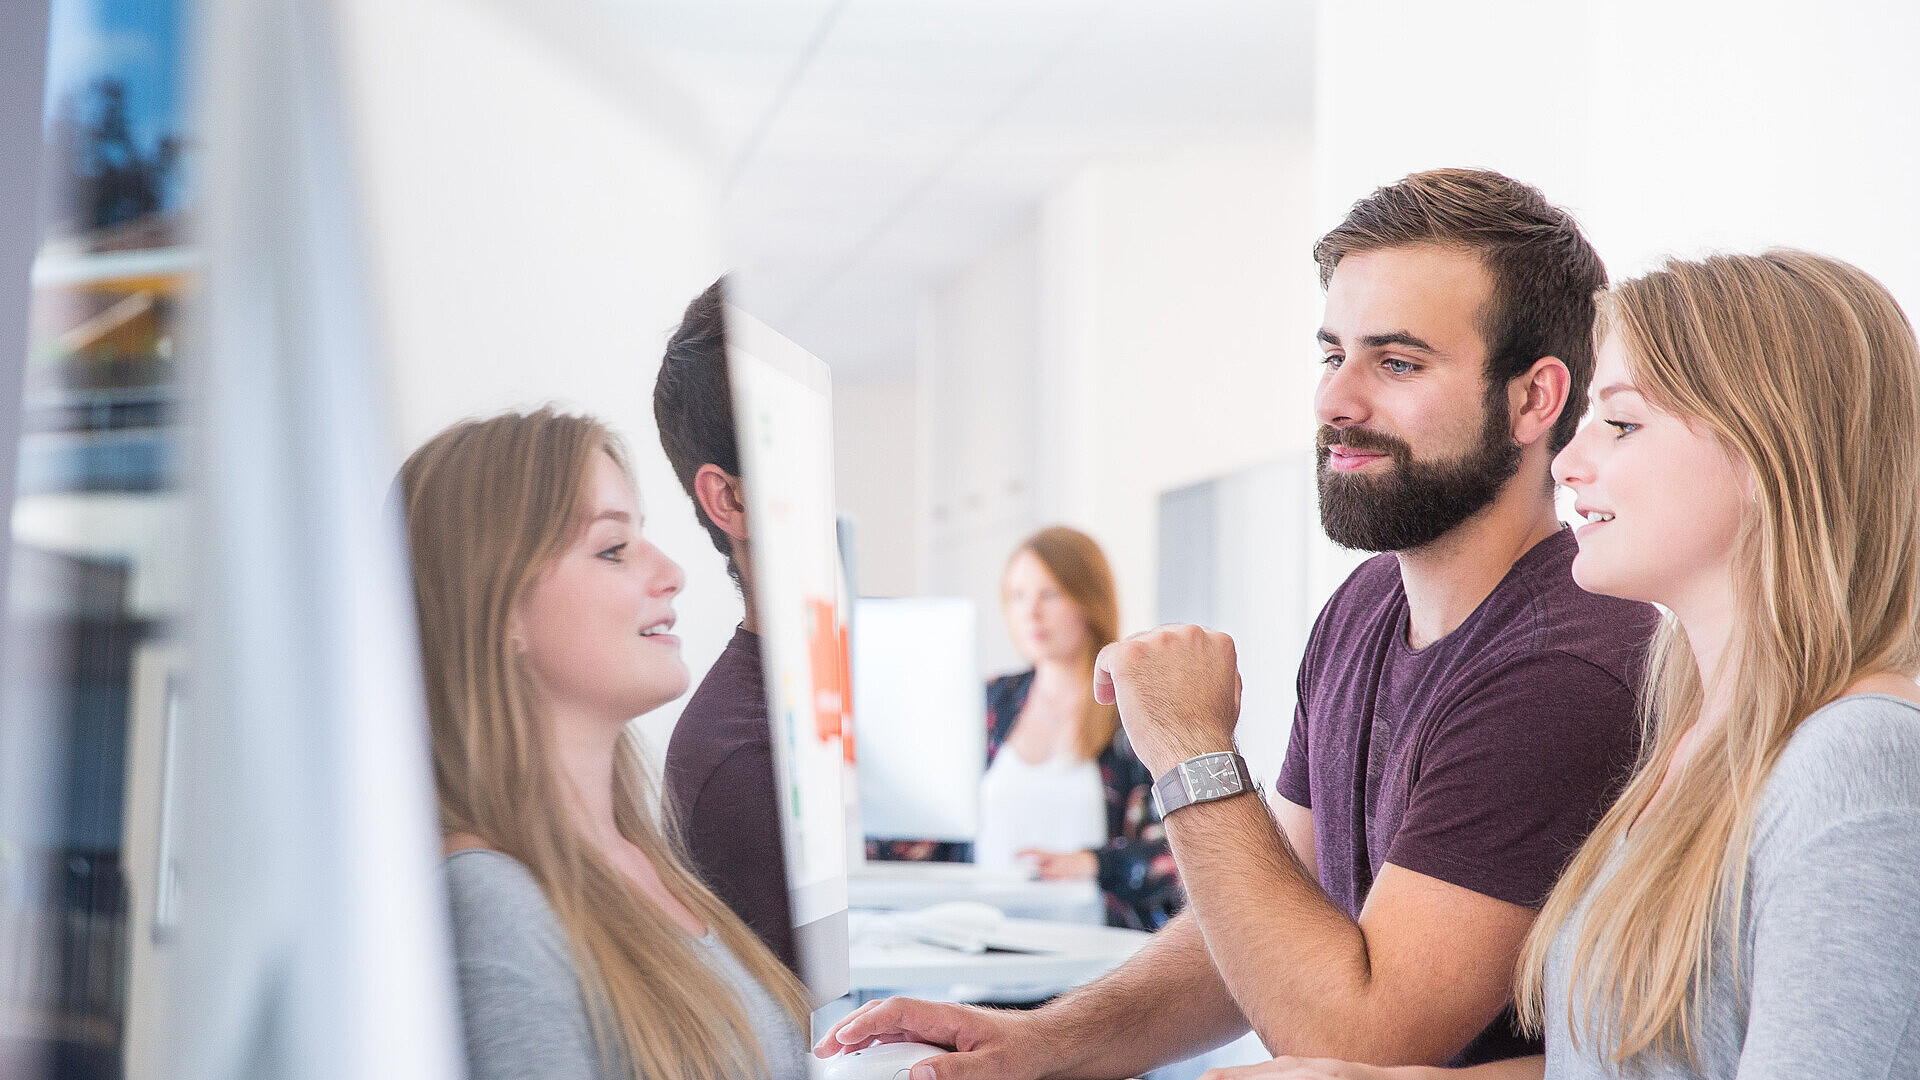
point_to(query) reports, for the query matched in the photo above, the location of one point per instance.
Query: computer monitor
(923, 731)
(783, 418)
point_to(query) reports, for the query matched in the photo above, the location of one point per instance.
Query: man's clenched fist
(1178, 688)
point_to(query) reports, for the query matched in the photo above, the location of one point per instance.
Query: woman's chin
(670, 687)
(1593, 575)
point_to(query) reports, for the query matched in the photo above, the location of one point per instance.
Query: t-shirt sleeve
(1515, 774)
(1292, 784)
(1836, 955)
(521, 1006)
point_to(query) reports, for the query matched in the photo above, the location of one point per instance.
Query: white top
(1057, 805)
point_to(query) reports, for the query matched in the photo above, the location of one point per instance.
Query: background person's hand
(1178, 688)
(1061, 865)
(1293, 1068)
(988, 1044)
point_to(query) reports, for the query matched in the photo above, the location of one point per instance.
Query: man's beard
(1419, 501)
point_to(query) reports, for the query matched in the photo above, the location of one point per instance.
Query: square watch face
(1213, 778)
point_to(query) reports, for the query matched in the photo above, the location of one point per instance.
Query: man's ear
(1536, 399)
(723, 498)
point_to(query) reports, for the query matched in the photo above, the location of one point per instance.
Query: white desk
(904, 886)
(885, 961)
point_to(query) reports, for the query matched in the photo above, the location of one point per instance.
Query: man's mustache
(1359, 438)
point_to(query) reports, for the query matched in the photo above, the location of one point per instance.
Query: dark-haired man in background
(1464, 713)
(719, 766)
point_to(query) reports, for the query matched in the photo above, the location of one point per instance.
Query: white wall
(542, 213)
(979, 349)
(1403, 86)
(876, 450)
(1755, 125)
(1179, 309)
(1667, 127)
(1153, 328)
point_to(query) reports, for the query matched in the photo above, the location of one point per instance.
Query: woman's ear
(516, 634)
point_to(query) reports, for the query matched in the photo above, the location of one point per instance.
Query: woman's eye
(1624, 427)
(612, 554)
(1399, 366)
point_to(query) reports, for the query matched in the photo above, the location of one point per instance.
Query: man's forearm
(1165, 1004)
(1297, 967)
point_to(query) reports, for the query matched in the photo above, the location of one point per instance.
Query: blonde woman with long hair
(584, 946)
(1748, 907)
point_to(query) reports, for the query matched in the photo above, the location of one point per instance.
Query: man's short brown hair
(693, 404)
(1545, 274)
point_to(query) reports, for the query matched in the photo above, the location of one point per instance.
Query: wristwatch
(1201, 779)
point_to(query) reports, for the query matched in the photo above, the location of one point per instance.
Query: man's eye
(1623, 427)
(612, 554)
(1399, 366)
(1331, 361)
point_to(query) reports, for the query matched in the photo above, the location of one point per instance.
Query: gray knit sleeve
(1835, 925)
(521, 1004)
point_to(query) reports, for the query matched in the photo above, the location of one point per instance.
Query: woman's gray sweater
(1821, 975)
(522, 1007)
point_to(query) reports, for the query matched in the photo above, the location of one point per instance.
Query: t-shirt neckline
(1401, 644)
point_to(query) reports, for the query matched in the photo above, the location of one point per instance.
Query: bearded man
(1465, 712)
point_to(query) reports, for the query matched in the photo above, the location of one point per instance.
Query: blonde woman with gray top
(584, 947)
(1747, 909)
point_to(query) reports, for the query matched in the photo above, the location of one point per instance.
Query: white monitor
(783, 411)
(922, 736)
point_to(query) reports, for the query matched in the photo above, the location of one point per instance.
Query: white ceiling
(873, 147)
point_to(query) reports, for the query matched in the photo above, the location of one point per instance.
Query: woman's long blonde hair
(1805, 369)
(489, 505)
(1080, 568)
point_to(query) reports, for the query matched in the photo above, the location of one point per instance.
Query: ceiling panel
(874, 147)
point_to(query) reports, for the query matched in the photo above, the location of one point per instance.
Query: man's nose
(1339, 402)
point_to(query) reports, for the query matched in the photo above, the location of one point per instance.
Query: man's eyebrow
(1327, 337)
(1396, 337)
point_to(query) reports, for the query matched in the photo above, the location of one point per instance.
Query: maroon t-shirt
(720, 783)
(1483, 759)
